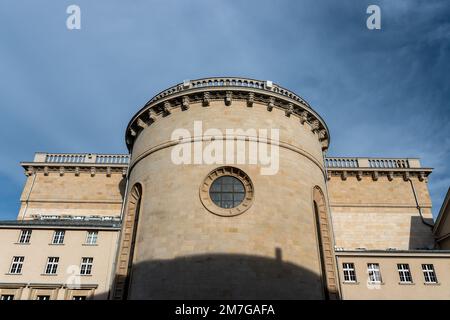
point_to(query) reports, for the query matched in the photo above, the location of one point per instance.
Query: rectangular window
(79, 298)
(25, 236)
(7, 297)
(52, 265)
(92, 237)
(58, 237)
(86, 266)
(373, 269)
(41, 297)
(349, 272)
(404, 273)
(16, 265)
(428, 273)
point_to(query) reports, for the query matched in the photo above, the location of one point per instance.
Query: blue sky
(382, 93)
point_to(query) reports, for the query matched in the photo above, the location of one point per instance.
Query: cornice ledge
(74, 168)
(391, 173)
(73, 165)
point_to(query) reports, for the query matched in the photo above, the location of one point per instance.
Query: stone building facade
(183, 217)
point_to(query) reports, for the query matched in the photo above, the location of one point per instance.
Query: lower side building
(58, 259)
(406, 275)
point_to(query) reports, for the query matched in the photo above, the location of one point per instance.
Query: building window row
(25, 236)
(404, 273)
(51, 266)
(16, 265)
(39, 297)
(86, 266)
(429, 273)
(92, 237)
(373, 269)
(349, 272)
(49, 292)
(58, 237)
(374, 273)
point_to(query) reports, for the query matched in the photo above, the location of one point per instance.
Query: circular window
(227, 191)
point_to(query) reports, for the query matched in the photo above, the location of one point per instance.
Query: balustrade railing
(82, 158)
(65, 158)
(341, 162)
(117, 158)
(388, 163)
(381, 163)
(227, 82)
(330, 162)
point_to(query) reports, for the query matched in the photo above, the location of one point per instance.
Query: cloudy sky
(382, 92)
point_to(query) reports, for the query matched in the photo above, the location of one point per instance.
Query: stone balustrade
(113, 158)
(374, 163)
(82, 158)
(389, 163)
(227, 82)
(330, 162)
(341, 162)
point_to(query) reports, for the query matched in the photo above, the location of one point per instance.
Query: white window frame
(52, 265)
(16, 265)
(6, 297)
(373, 270)
(86, 266)
(404, 273)
(25, 236)
(91, 237)
(58, 237)
(348, 269)
(429, 273)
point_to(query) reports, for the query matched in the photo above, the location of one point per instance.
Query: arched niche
(127, 243)
(323, 226)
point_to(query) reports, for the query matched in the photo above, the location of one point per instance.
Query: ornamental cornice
(74, 168)
(375, 173)
(225, 89)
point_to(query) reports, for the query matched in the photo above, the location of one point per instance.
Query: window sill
(23, 243)
(376, 283)
(407, 283)
(56, 244)
(350, 282)
(431, 284)
(90, 245)
(49, 274)
(85, 275)
(13, 274)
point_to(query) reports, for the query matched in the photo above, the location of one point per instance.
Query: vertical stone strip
(127, 242)
(325, 244)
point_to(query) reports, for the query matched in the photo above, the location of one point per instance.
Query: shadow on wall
(122, 186)
(420, 235)
(224, 276)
